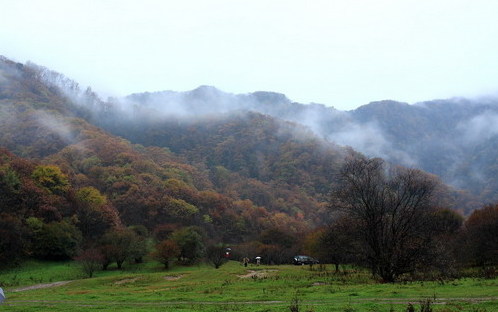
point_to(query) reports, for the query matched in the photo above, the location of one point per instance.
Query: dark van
(301, 260)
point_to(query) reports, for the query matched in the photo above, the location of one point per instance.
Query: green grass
(147, 287)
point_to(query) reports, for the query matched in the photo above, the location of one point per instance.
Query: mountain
(455, 139)
(257, 151)
(233, 175)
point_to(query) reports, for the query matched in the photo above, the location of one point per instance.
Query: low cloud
(55, 125)
(199, 103)
(369, 139)
(479, 128)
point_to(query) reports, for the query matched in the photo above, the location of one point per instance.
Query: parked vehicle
(302, 260)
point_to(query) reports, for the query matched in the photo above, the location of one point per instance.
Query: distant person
(2, 295)
(258, 260)
(245, 261)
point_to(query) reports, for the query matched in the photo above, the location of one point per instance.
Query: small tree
(481, 234)
(140, 246)
(107, 255)
(190, 242)
(13, 240)
(166, 251)
(338, 242)
(215, 254)
(55, 240)
(90, 260)
(95, 214)
(446, 245)
(118, 245)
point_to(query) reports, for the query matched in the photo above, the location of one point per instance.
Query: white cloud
(369, 139)
(480, 128)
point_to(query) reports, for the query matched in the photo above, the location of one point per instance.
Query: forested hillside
(455, 139)
(233, 177)
(189, 171)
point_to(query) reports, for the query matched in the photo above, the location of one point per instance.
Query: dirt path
(39, 286)
(173, 277)
(256, 274)
(327, 302)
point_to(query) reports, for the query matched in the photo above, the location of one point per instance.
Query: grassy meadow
(147, 287)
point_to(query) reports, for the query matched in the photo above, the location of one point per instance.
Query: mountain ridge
(439, 136)
(155, 186)
(140, 116)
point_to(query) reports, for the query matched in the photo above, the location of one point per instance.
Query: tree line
(46, 213)
(390, 220)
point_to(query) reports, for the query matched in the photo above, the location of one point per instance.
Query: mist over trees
(454, 138)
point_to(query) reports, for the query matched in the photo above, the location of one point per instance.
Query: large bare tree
(391, 207)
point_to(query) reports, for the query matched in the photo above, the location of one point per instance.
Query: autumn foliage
(81, 178)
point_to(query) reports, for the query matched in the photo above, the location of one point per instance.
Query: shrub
(90, 261)
(166, 251)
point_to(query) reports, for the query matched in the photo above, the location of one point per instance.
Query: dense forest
(83, 177)
(229, 194)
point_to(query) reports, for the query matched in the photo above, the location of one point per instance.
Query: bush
(90, 261)
(215, 254)
(166, 251)
(57, 241)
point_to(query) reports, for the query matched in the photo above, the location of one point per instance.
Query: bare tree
(338, 244)
(90, 261)
(391, 208)
(215, 254)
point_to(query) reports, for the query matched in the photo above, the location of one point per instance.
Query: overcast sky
(342, 53)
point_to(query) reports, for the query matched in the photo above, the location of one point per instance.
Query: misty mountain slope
(444, 137)
(238, 138)
(209, 101)
(34, 117)
(451, 138)
(275, 164)
(274, 152)
(253, 145)
(216, 182)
